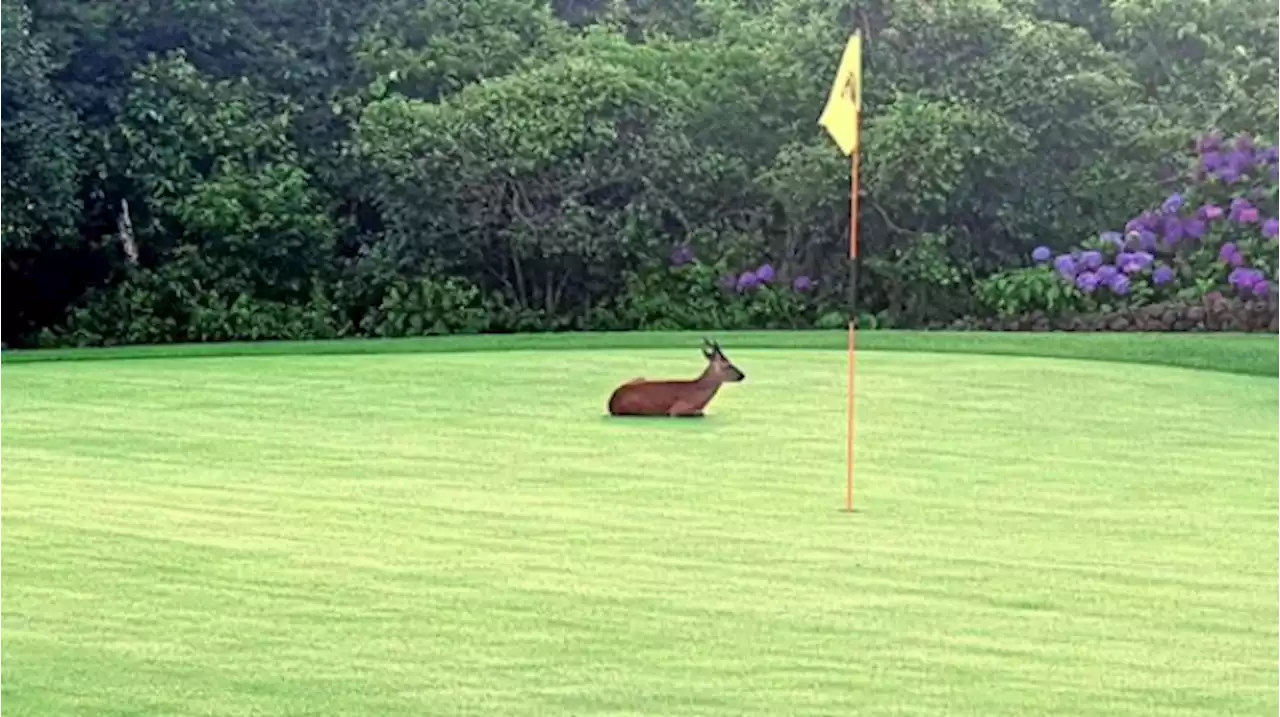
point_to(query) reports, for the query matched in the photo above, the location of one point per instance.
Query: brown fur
(639, 397)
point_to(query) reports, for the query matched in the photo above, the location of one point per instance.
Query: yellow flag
(844, 104)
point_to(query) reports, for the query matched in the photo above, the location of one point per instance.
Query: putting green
(468, 534)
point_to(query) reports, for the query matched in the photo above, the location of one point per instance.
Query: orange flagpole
(842, 119)
(853, 331)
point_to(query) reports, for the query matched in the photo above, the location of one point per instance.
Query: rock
(1213, 312)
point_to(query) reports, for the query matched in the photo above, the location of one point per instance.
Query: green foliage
(550, 173)
(221, 179)
(177, 303)
(1016, 292)
(266, 228)
(427, 307)
(697, 296)
(922, 282)
(433, 50)
(536, 161)
(40, 144)
(1203, 62)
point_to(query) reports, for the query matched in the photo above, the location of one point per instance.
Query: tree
(42, 172)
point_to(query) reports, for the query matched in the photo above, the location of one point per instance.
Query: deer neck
(709, 381)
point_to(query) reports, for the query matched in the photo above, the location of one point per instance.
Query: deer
(683, 399)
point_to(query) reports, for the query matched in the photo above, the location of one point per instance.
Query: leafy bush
(921, 281)
(428, 307)
(1026, 290)
(172, 305)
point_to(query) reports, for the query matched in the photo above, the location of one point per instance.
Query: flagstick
(842, 119)
(853, 331)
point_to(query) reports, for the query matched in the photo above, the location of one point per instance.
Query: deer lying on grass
(639, 397)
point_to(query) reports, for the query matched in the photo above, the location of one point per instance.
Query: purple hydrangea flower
(1147, 240)
(1115, 239)
(1145, 220)
(748, 281)
(1210, 212)
(1041, 254)
(1065, 265)
(1230, 254)
(1228, 174)
(1106, 273)
(1246, 279)
(802, 284)
(1241, 160)
(1260, 288)
(1119, 285)
(1249, 216)
(1087, 282)
(1209, 142)
(1194, 228)
(1212, 160)
(1172, 204)
(1270, 155)
(1238, 206)
(682, 255)
(1174, 230)
(1091, 259)
(1134, 262)
(765, 273)
(1244, 143)
(1162, 275)
(1271, 228)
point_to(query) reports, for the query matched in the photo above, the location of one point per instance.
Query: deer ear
(708, 348)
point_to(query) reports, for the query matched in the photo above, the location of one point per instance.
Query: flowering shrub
(693, 294)
(1218, 234)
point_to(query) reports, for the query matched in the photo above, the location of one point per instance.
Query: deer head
(719, 367)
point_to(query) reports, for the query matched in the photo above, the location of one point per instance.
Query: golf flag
(841, 119)
(844, 104)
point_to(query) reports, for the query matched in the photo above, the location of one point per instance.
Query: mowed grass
(455, 533)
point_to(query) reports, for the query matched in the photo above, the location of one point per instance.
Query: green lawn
(465, 533)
